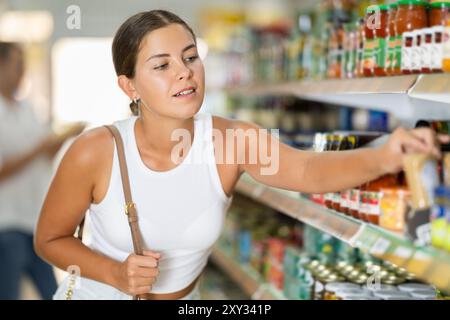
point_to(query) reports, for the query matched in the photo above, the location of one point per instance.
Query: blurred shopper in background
(27, 147)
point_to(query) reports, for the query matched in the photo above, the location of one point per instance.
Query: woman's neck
(157, 132)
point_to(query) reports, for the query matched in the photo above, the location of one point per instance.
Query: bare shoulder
(90, 149)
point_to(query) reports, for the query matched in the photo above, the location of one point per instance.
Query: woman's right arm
(69, 196)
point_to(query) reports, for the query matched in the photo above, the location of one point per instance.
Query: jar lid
(440, 4)
(415, 287)
(374, 7)
(423, 294)
(413, 2)
(390, 295)
(333, 286)
(393, 5)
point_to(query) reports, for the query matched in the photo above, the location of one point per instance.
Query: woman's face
(170, 77)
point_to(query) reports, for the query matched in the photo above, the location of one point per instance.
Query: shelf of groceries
(408, 96)
(427, 263)
(246, 277)
(389, 56)
(271, 255)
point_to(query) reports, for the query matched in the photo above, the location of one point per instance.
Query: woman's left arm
(282, 166)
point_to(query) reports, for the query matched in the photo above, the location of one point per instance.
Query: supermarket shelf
(408, 97)
(245, 277)
(427, 263)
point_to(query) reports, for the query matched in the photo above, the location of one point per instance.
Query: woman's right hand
(137, 274)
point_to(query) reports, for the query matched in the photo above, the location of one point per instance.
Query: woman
(181, 206)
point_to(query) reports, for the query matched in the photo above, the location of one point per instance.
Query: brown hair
(127, 41)
(6, 48)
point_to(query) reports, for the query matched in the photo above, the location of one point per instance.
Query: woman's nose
(184, 72)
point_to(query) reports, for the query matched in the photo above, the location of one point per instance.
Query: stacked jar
(411, 16)
(438, 17)
(391, 40)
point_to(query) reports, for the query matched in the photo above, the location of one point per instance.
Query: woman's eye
(161, 67)
(191, 59)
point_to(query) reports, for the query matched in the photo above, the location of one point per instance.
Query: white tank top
(181, 211)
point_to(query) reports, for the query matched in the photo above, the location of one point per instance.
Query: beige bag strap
(130, 207)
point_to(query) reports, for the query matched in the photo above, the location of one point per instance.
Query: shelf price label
(380, 246)
(403, 252)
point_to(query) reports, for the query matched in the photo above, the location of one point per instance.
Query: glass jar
(354, 203)
(380, 34)
(407, 52)
(426, 47)
(372, 201)
(390, 39)
(411, 15)
(416, 54)
(446, 48)
(369, 42)
(360, 39)
(393, 207)
(439, 13)
(350, 51)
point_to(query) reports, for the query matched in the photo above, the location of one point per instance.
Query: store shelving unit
(407, 97)
(428, 264)
(247, 278)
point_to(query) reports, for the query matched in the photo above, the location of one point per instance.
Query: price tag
(380, 246)
(403, 252)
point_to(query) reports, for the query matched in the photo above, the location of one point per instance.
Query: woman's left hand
(402, 141)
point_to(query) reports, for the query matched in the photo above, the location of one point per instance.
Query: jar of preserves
(416, 54)
(445, 47)
(369, 42)
(439, 13)
(390, 39)
(393, 208)
(426, 47)
(407, 52)
(380, 34)
(354, 203)
(360, 40)
(411, 15)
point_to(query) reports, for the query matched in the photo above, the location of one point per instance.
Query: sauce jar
(445, 40)
(411, 15)
(380, 34)
(390, 39)
(416, 55)
(426, 47)
(369, 41)
(439, 13)
(393, 207)
(407, 52)
(354, 203)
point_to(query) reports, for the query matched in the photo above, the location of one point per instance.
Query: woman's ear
(127, 86)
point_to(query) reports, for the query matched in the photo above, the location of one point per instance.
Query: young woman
(181, 205)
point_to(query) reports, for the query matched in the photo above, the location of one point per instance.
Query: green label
(368, 54)
(397, 63)
(380, 52)
(390, 53)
